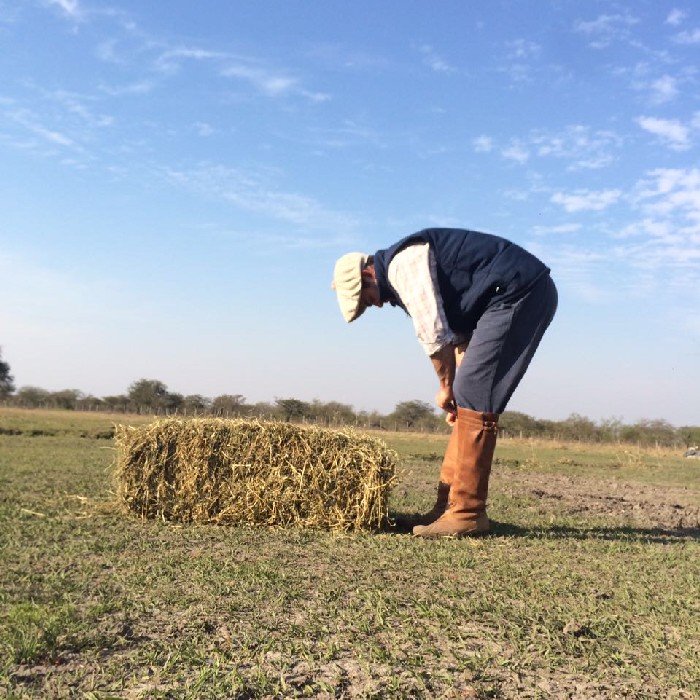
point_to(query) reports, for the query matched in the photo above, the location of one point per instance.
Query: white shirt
(413, 275)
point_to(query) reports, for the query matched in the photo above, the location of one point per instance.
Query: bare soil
(628, 503)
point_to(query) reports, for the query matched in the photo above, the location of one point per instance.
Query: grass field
(588, 587)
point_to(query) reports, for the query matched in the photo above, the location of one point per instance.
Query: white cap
(347, 282)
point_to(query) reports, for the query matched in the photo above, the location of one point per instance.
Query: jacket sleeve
(412, 273)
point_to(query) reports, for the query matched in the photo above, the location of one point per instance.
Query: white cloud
(671, 131)
(517, 195)
(315, 96)
(29, 121)
(584, 148)
(518, 72)
(675, 17)
(170, 61)
(520, 63)
(517, 152)
(664, 89)
(644, 227)
(138, 88)
(50, 123)
(578, 267)
(275, 242)
(667, 234)
(560, 229)
(253, 191)
(669, 191)
(689, 37)
(9, 15)
(435, 62)
(69, 7)
(106, 52)
(605, 29)
(334, 56)
(482, 144)
(344, 135)
(269, 83)
(50, 135)
(586, 200)
(522, 48)
(204, 129)
(76, 104)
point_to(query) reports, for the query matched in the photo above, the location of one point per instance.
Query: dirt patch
(30, 433)
(629, 503)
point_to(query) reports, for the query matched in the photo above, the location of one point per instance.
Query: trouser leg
(498, 355)
(501, 349)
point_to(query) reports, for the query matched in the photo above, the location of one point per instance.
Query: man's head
(355, 284)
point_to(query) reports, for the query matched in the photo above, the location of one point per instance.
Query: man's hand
(445, 400)
(444, 363)
(459, 353)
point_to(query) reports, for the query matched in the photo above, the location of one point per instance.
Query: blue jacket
(474, 270)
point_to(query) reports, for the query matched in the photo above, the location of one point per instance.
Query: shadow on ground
(402, 524)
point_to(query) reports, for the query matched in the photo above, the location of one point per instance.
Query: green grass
(559, 602)
(661, 466)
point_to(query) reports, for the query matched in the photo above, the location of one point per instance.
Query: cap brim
(347, 282)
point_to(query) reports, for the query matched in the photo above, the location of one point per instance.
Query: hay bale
(212, 470)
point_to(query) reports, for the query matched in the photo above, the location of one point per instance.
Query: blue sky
(177, 179)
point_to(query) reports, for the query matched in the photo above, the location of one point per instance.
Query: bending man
(480, 306)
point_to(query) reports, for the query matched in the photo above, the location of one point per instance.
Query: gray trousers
(501, 347)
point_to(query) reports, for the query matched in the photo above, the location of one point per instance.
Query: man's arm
(445, 364)
(413, 275)
(446, 361)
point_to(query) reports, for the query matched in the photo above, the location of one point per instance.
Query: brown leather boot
(466, 514)
(443, 490)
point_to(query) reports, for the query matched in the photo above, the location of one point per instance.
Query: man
(480, 305)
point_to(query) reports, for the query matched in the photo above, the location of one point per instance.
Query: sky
(177, 180)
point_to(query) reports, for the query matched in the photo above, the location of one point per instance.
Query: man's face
(369, 296)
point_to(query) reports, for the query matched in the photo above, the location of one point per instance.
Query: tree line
(153, 396)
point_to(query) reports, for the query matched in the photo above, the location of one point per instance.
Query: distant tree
(228, 403)
(90, 402)
(196, 402)
(657, 431)
(31, 396)
(517, 423)
(631, 433)
(172, 401)
(371, 420)
(410, 413)
(332, 412)
(68, 398)
(578, 427)
(611, 428)
(293, 409)
(262, 409)
(148, 392)
(6, 379)
(690, 435)
(119, 401)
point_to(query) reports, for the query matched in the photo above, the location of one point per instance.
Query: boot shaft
(477, 434)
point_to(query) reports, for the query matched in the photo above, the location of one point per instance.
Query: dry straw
(239, 471)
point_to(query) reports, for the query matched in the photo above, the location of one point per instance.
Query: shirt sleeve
(413, 275)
